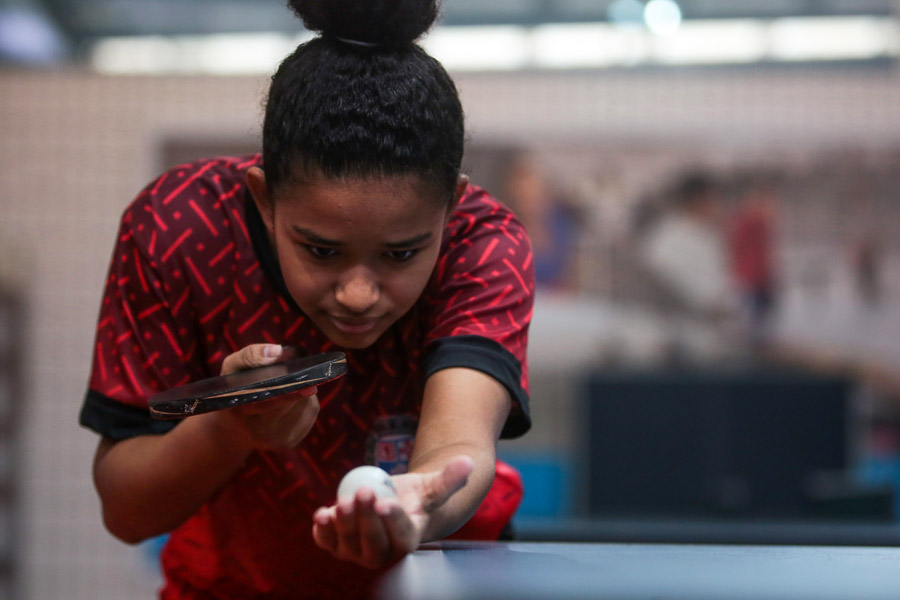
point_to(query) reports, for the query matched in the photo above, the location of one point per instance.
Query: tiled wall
(76, 147)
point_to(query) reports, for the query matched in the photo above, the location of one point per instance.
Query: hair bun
(385, 22)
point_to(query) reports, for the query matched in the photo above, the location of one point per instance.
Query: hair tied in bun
(357, 42)
(385, 23)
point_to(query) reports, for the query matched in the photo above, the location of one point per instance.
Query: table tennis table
(624, 571)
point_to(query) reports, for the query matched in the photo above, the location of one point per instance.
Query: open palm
(375, 532)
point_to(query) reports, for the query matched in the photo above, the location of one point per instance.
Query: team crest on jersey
(390, 443)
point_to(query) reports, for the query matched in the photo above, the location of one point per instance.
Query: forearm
(463, 413)
(149, 485)
(462, 505)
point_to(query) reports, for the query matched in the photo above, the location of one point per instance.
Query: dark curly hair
(363, 98)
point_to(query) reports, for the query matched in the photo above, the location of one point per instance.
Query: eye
(320, 251)
(401, 255)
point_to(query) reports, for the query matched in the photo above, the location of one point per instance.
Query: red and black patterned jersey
(193, 279)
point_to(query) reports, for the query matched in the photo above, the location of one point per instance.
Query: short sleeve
(484, 294)
(143, 340)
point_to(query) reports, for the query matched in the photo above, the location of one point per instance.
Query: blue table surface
(560, 571)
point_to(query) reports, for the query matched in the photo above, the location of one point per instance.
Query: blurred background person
(684, 256)
(867, 261)
(868, 250)
(551, 221)
(684, 250)
(752, 246)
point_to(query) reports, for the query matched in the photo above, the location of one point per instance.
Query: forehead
(360, 200)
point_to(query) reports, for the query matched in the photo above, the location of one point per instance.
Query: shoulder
(211, 181)
(200, 199)
(485, 249)
(477, 207)
(479, 219)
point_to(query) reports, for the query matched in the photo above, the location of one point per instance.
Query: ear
(256, 182)
(462, 183)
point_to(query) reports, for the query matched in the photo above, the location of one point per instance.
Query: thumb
(254, 355)
(448, 481)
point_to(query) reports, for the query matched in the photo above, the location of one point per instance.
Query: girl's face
(355, 253)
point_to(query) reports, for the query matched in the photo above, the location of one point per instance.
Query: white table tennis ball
(367, 476)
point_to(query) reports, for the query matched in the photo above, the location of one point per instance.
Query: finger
(254, 355)
(273, 408)
(308, 391)
(278, 423)
(401, 532)
(279, 406)
(323, 529)
(290, 353)
(446, 483)
(373, 538)
(345, 526)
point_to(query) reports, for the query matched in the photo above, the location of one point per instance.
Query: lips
(353, 326)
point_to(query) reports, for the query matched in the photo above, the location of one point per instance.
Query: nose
(358, 291)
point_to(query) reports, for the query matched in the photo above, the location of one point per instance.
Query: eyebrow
(314, 238)
(413, 241)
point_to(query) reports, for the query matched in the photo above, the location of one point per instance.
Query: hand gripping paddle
(244, 387)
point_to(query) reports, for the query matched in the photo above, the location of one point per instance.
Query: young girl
(354, 230)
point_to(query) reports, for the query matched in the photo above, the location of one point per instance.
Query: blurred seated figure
(684, 250)
(552, 223)
(683, 259)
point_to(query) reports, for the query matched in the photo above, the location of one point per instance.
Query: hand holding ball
(367, 476)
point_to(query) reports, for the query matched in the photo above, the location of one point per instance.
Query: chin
(354, 342)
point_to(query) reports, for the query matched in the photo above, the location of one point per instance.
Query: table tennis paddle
(243, 387)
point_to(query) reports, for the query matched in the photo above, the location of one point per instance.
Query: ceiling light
(662, 17)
